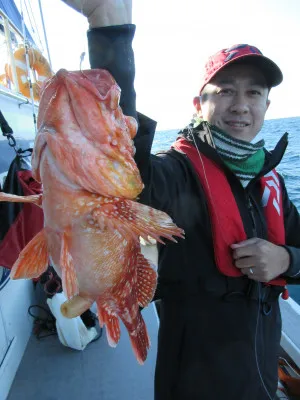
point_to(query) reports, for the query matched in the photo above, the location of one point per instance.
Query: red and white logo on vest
(271, 191)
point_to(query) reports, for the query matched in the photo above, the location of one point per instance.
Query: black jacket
(218, 335)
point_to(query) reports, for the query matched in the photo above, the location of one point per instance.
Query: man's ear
(197, 104)
(268, 103)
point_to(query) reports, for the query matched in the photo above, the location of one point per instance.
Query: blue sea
(289, 167)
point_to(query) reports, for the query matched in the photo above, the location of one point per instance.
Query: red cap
(237, 52)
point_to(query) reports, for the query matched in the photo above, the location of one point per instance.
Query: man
(220, 322)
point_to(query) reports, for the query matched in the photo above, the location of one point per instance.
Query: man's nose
(240, 104)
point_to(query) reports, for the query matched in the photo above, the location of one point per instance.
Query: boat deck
(50, 371)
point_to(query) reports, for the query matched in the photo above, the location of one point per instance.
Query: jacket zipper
(251, 212)
(257, 285)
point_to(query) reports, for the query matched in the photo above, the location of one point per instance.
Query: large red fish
(83, 155)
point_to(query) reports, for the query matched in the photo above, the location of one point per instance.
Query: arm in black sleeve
(292, 234)
(110, 48)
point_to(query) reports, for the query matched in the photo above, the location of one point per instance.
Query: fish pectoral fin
(69, 277)
(35, 199)
(33, 259)
(111, 321)
(147, 280)
(105, 219)
(128, 216)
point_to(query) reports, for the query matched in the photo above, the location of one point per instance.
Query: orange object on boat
(289, 376)
(3, 80)
(38, 63)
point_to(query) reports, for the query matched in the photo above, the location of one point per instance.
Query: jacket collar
(201, 138)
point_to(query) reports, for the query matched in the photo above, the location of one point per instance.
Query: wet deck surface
(50, 371)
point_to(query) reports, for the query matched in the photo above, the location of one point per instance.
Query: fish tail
(140, 340)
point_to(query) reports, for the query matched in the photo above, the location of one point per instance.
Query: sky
(173, 40)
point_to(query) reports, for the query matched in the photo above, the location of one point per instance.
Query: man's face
(236, 101)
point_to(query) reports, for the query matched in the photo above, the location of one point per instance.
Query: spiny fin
(101, 216)
(147, 279)
(33, 259)
(133, 218)
(69, 278)
(111, 321)
(140, 340)
(35, 198)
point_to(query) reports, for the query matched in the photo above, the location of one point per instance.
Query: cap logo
(236, 47)
(255, 50)
(239, 49)
(231, 55)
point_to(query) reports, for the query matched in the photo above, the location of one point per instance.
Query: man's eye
(225, 91)
(255, 92)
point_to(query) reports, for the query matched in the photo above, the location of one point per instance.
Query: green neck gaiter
(243, 158)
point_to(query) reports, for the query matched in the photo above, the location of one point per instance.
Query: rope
(45, 36)
(34, 30)
(28, 68)
(42, 324)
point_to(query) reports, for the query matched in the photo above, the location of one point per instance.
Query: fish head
(81, 119)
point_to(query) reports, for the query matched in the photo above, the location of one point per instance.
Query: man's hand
(103, 12)
(260, 260)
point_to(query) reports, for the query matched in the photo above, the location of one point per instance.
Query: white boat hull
(18, 112)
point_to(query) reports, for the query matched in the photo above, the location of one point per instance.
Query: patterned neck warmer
(243, 158)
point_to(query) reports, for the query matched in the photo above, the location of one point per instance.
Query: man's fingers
(245, 243)
(245, 251)
(247, 271)
(246, 262)
(75, 4)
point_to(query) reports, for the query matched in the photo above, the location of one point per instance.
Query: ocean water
(272, 131)
(289, 167)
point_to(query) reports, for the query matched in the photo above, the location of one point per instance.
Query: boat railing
(10, 40)
(17, 76)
